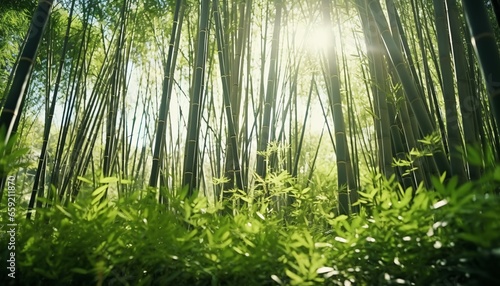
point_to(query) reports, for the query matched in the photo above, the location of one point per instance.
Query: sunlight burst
(313, 38)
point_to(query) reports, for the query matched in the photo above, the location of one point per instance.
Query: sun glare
(318, 38)
(313, 38)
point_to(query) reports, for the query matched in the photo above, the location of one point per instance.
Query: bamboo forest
(249, 142)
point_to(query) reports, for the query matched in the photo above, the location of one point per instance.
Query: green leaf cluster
(447, 235)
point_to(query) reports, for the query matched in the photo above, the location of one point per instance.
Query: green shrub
(446, 236)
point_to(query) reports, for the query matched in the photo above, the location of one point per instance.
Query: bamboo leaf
(108, 180)
(406, 199)
(65, 212)
(84, 180)
(296, 278)
(99, 190)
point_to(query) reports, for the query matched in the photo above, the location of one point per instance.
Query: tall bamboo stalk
(487, 53)
(265, 129)
(463, 80)
(231, 126)
(15, 98)
(40, 174)
(190, 173)
(346, 181)
(454, 136)
(168, 68)
(411, 91)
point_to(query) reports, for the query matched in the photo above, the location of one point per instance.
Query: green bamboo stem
(486, 49)
(190, 167)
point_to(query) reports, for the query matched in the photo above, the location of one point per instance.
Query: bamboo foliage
(144, 90)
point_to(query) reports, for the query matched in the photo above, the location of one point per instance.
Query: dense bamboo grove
(176, 94)
(263, 132)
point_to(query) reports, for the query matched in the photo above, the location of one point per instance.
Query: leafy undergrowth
(446, 236)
